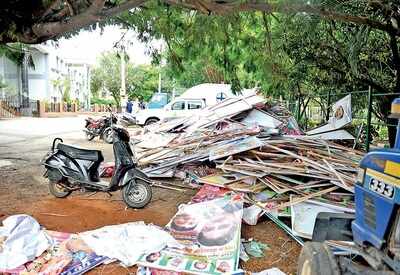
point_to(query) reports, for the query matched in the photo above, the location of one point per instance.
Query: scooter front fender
(133, 174)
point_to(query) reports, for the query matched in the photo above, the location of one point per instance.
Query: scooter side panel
(68, 167)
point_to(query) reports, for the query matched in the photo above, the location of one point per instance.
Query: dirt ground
(23, 190)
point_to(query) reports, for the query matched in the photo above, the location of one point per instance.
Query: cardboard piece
(235, 147)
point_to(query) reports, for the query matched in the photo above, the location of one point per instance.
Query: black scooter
(70, 168)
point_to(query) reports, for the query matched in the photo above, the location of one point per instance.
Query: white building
(48, 78)
(79, 75)
(10, 75)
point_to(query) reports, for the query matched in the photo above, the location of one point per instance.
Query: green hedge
(103, 101)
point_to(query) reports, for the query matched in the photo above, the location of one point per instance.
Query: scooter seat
(80, 153)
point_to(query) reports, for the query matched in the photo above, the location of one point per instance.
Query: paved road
(28, 138)
(27, 128)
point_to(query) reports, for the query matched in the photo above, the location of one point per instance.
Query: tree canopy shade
(35, 21)
(296, 56)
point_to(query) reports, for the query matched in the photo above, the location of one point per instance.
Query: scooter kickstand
(109, 194)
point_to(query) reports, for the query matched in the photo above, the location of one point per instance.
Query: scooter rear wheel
(137, 193)
(57, 190)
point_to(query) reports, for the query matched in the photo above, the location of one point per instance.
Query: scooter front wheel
(137, 193)
(57, 190)
(108, 135)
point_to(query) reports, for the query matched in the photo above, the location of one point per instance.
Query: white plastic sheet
(24, 241)
(304, 215)
(251, 214)
(262, 119)
(126, 242)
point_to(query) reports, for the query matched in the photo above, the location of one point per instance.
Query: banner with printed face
(341, 112)
(210, 236)
(340, 116)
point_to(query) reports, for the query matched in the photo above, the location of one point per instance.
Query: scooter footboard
(134, 173)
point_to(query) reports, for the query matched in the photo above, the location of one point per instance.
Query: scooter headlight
(360, 175)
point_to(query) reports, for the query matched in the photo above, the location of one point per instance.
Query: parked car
(195, 98)
(181, 107)
(158, 101)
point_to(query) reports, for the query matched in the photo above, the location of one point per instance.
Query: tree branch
(224, 7)
(128, 5)
(94, 13)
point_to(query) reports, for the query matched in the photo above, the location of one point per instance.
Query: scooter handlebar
(54, 143)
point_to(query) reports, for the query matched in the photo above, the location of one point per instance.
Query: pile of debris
(250, 159)
(256, 149)
(163, 147)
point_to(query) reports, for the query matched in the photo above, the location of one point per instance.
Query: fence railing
(316, 110)
(15, 107)
(12, 106)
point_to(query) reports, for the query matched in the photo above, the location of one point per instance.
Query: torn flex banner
(209, 233)
(340, 116)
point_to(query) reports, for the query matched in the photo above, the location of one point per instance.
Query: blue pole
(397, 142)
(395, 113)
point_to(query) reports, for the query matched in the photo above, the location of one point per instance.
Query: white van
(190, 102)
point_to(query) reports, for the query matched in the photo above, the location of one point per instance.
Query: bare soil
(23, 190)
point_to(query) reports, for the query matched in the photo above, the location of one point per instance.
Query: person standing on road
(129, 106)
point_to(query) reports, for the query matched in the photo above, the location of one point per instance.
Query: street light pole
(159, 81)
(159, 73)
(123, 83)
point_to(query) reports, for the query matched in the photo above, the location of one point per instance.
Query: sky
(87, 46)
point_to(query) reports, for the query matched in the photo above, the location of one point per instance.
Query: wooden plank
(344, 185)
(299, 199)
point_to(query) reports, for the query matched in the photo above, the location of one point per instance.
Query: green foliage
(15, 52)
(294, 57)
(141, 81)
(63, 86)
(102, 101)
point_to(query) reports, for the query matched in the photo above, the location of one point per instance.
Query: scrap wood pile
(229, 125)
(247, 146)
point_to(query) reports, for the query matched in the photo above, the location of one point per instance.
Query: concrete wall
(80, 83)
(10, 74)
(37, 77)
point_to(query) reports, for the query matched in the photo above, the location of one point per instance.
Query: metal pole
(159, 81)
(159, 74)
(328, 106)
(368, 128)
(123, 86)
(298, 109)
